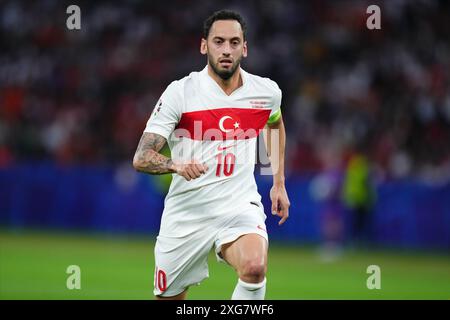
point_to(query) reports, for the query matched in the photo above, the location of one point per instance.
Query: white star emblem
(236, 125)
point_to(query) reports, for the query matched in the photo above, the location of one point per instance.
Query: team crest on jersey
(229, 123)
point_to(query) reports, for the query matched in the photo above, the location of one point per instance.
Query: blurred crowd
(84, 96)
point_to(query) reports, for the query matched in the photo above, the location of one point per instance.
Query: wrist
(278, 181)
(172, 167)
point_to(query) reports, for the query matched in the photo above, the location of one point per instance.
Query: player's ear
(244, 49)
(203, 46)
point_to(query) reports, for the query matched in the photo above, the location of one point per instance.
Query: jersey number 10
(228, 162)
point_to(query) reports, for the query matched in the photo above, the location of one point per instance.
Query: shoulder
(263, 83)
(191, 78)
(264, 86)
(181, 86)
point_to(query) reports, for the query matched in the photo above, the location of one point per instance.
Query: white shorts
(181, 262)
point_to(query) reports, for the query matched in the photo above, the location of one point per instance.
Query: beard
(224, 74)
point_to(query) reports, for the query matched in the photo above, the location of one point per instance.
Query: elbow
(137, 164)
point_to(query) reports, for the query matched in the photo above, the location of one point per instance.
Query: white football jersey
(200, 121)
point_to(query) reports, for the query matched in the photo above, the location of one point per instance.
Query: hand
(280, 203)
(190, 170)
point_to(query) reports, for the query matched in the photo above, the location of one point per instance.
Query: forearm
(276, 144)
(277, 134)
(147, 158)
(152, 162)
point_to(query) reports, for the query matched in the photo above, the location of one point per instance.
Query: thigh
(248, 247)
(243, 238)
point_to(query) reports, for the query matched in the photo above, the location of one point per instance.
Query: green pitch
(33, 266)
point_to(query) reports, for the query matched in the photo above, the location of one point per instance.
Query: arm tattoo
(148, 159)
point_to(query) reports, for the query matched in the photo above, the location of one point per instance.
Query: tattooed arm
(148, 159)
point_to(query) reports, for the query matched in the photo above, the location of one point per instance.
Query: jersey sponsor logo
(221, 148)
(261, 228)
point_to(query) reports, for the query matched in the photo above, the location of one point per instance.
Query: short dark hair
(223, 15)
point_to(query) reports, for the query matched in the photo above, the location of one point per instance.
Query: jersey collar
(213, 85)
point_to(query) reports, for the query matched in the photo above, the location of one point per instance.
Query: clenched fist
(190, 170)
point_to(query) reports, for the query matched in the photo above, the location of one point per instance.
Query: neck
(229, 85)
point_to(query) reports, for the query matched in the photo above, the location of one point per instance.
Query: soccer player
(210, 120)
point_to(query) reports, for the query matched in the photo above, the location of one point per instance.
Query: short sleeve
(167, 112)
(275, 113)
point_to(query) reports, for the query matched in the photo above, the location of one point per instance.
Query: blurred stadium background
(367, 114)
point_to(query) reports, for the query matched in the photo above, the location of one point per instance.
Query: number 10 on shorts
(160, 280)
(226, 162)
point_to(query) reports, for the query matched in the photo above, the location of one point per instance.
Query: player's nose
(225, 55)
(226, 49)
